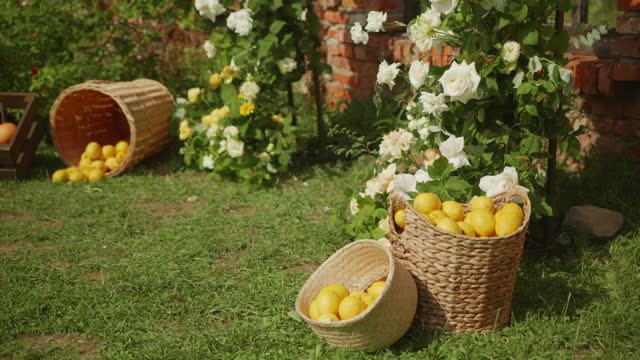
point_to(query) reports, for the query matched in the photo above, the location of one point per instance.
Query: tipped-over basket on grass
(464, 283)
(357, 265)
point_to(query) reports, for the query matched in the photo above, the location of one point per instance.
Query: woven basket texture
(464, 283)
(137, 111)
(357, 266)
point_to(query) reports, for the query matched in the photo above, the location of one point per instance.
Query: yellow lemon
(112, 163)
(453, 209)
(375, 289)
(84, 163)
(428, 218)
(339, 289)
(366, 298)
(506, 225)
(215, 80)
(95, 175)
(85, 171)
(60, 176)
(449, 225)
(350, 307)
(108, 151)
(313, 310)
(327, 302)
(399, 218)
(76, 176)
(482, 202)
(483, 221)
(328, 318)
(120, 156)
(122, 146)
(93, 150)
(467, 219)
(466, 228)
(98, 164)
(436, 215)
(84, 156)
(513, 209)
(425, 203)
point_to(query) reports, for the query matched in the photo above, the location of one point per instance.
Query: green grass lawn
(138, 267)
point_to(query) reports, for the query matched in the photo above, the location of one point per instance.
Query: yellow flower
(227, 74)
(240, 96)
(215, 80)
(185, 130)
(247, 108)
(193, 95)
(184, 124)
(224, 111)
(277, 118)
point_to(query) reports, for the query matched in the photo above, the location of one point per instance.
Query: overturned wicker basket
(356, 266)
(464, 283)
(138, 111)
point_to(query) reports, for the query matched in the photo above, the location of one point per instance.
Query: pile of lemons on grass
(481, 221)
(94, 163)
(334, 302)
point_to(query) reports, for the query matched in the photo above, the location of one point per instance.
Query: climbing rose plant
(480, 125)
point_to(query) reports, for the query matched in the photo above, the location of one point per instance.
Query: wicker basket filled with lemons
(95, 162)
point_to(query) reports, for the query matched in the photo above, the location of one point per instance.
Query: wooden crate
(16, 157)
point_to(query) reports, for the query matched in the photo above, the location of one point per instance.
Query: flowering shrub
(241, 123)
(480, 125)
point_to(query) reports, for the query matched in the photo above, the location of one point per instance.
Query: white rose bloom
(395, 144)
(460, 82)
(300, 87)
(444, 6)
(353, 206)
(210, 49)
(404, 184)
(422, 31)
(212, 131)
(223, 146)
(240, 22)
(453, 150)
(207, 162)
(210, 8)
(418, 73)
(249, 90)
(264, 157)
(505, 182)
(433, 104)
(384, 225)
(387, 73)
(422, 176)
(181, 101)
(181, 113)
(235, 148)
(303, 15)
(230, 132)
(287, 65)
(182, 150)
(358, 35)
(193, 95)
(418, 123)
(381, 183)
(271, 169)
(510, 52)
(375, 21)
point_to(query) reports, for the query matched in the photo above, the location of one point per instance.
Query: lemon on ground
(122, 146)
(313, 310)
(60, 176)
(375, 289)
(453, 209)
(482, 202)
(84, 156)
(112, 163)
(93, 150)
(483, 221)
(466, 228)
(437, 215)
(327, 302)
(328, 318)
(339, 289)
(448, 224)
(350, 307)
(120, 156)
(84, 162)
(108, 151)
(399, 218)
(85, 171)
(77, 176)
(425, 203)
(366, 298)
(95, 175)
(98, 164)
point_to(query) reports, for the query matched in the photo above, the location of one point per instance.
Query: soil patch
(59, 263)
(587, 352)
(19, 245)
(86, 348)
(164, 210)
(231, 259)
(99, 276)
(310, 267)
(15, 217)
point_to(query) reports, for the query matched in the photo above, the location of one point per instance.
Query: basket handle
(98, 82)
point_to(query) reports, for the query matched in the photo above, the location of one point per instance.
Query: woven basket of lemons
(465, 280)
(360, 299)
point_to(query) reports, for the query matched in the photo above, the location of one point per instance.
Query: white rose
(381, 183)
(444, 6)
(510, 52)
(376, 20)
(505, 182)
(422, 31)
(453, 150)
(209, 8)
(230, 132)
(212, 131)
(287, 65)
(418, 73)
(271, 169)
(300, 87)
(422, 176)
(210, 49)
(460, 82)
(395, 144)
(387, 73)
(181, 113)
(353, 206)
(433, 104)
(384, 225)
(240, 22)
(303, 15)
(249, 90)
(264, 156)
(358, 35)
(207, 162)
(404, 184)
(235, 148)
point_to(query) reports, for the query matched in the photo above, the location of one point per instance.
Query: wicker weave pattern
(356, 266)
(464, 283)
(138, 111)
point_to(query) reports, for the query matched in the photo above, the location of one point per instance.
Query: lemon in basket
(93, 151)
(398, 217)
(453, 209)
(327, 302)
(350, 307)
(508, 219)
(108, 151)
(111, 163)
(483, 221)
(448, 224)
(122, 147)
(425, 203)
(313, 310)
(366, 298)
(375, 289)
(437, 215)
(84, 162)
(479, 202)
(340, 290)
(328, 318)
(466, 228)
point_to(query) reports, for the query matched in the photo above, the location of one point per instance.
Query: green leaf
(440, 168)
(559, 43)
(377, 233)
(525, 88)
(276, 26)
(457, 184)
(519, 11)
(531, 38)
(503, 22)
(531, 109)
(228, 93)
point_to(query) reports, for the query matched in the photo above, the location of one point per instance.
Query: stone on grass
(593, 221)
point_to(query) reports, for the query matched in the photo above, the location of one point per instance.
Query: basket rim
(397, 197)
(356, 319)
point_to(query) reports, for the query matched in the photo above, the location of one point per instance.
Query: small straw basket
(356, 266)
(137, 111)
(464, 284)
